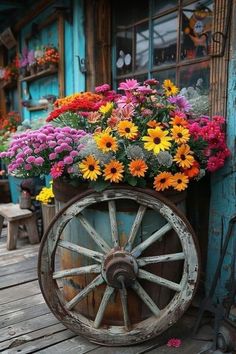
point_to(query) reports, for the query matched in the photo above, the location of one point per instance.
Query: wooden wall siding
(219, 65)
(223, 195)
(61, 51)
(98, 37)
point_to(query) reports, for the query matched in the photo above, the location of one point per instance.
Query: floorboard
(28, 326)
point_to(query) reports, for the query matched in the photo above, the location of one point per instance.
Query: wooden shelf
(37, 108)
(37, 76)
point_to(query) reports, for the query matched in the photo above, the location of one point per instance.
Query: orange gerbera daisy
(153, 124)
(179, 181)
(177, 120)
(113, 171)
(162, 181)
(137, 168)
(180, 134)
(193, 171)
(106, 142)
(127, 129)
(183, 156)
(90, 168)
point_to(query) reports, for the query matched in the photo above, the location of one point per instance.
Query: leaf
(132, 181)
(99, 185)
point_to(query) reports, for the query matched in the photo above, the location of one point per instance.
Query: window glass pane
(194, 84)
(196, 29)
(123, 52)
(165, 75)
(163, 5)
(142, 46)
(127, 13)
(165, 39)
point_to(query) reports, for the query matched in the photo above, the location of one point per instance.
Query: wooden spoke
(143, 274)
(96, 282)
(146, 298)
(106, 297)
(97, 256)
(93, 233)
(113, 222)
(124, 302)
(158, 259)
(94, 268)
(135, 227)
(154, 237)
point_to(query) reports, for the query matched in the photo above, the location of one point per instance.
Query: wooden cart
(119, 266)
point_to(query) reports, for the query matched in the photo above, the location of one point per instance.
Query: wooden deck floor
(28, 326)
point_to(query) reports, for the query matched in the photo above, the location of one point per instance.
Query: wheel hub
(120, 268)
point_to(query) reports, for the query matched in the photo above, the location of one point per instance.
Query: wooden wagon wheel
(120, 270)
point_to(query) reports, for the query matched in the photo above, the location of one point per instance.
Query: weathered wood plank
(77, 345)
(18, 278)
(17, 305)
(19, 292)
(23, 315)
(26, 264)
(30, 337)
(28, 326)
(41, 343)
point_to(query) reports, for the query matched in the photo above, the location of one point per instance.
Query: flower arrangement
(46, 195)
(50, 56)
(11, 71)
(145, 135)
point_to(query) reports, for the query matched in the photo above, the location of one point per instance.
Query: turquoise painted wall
(74, 44)
(223, 197)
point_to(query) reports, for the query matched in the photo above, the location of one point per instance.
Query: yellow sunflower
(157, 140)
(170, 88)
(162, 181)
(183, 156)
(113, 171)
(90, 168)
(106, 142)
(179, 181)
(106, 108)
(137, 168)
(180, 134)
(127, 129)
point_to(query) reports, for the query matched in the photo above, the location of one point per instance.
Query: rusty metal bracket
(221, 37)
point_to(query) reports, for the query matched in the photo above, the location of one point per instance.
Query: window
(165, 39)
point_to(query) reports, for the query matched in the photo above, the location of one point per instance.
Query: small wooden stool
(15, 217)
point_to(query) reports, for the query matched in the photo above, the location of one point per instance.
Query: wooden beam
(39, 7)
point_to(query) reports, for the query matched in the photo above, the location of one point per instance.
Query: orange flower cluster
(77, 98)
(10, 122)
(50, 55)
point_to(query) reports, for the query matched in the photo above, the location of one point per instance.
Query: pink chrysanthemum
(129, 85)
(57, 170)
(102, 88)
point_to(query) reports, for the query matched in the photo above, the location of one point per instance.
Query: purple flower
(39, 161)
(30, 159)
(52, 156)
(68, 160)
(28, 167)
(181, 102)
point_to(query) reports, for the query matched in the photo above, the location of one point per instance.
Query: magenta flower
(30, 159)
(151, 82)
(174, 342)
(68, 160)
(57, 170)
(39, 161)
(102, 88)
(129, 85)
(145, 90)
(181, 102)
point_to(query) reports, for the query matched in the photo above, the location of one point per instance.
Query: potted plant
(46, 198)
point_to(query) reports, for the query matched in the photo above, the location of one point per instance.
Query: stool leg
(1, 223)
(32, 230)
(12, 233)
